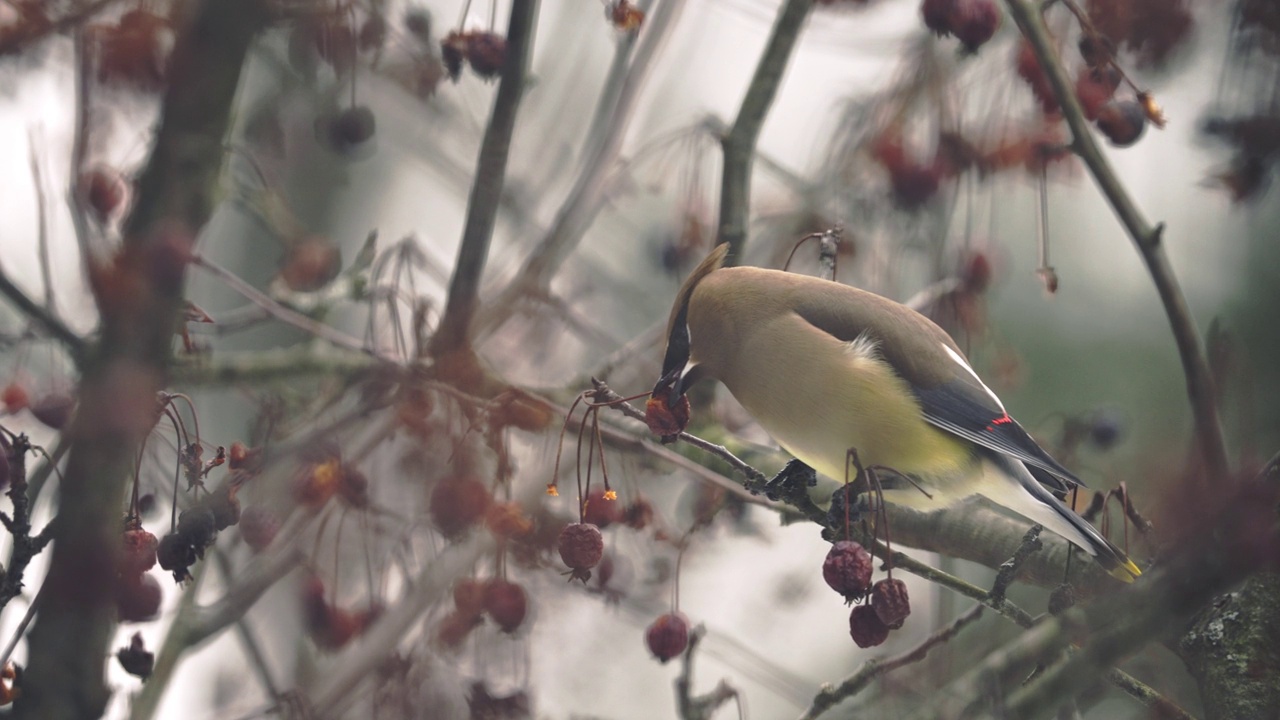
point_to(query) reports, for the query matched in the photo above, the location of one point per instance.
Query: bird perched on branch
(826, 368)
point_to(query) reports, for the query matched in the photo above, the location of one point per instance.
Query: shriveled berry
(469, 596)
(600, 510)
(136, 659)
(668, 636)
(373, 33)
(1094, 88)
(1096, 50)
(54, 409)
(138, 598)
(914, 184)
(937, 15)
(258, 527)
(15, 397)
(847, 569)
(638, 513)
(866, 628)
(139, 552)
(198, 527)
(453, 50)
(353, 487)
(458, 503)
(506, 603)
(224, 506)
(581, 547)
(487, 52)
(337, 629)
(889, 600)
(974, 22)
(176, 554)
(664, 419)
(1122, 121)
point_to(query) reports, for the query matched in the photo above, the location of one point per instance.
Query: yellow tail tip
(1126, 571)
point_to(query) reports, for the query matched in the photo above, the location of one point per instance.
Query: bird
(826, 368)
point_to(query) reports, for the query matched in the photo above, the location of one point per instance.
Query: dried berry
(316, 483)
(1096, 50)
(506, 603)
(638, 514)
(458, 503)
(373, 33)
(138, 598)
(454, 628)
(453, 50)
(54, 409)
(937, 15)
(418, 23)
(469, 596)
(581, 547)
(15, 397)
(224, 506)
(176, 555)
(1094, 88)
(1122, 121)
(136, 659)
(139, 552)
(664, 419)
(914, 184)
(487, 52)
(974, 22)
(198, 527)
(258, 527)
(668, 636)
(600, 510)
(624, 15)
(310, 264)
(866, 628)
(889, 600)
(847, 569)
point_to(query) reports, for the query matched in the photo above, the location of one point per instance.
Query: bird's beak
(670, 381)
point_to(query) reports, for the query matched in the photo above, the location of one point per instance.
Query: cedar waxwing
(825, 368)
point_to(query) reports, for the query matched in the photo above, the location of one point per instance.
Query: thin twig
(830, 696)
(1146, 238)
(42, 217)
(76, 345)
(740, 143)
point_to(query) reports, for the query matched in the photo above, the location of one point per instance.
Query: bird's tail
(1037, 504)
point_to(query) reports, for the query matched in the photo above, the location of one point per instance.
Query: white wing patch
(961, 362)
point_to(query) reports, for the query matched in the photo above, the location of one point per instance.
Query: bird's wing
(951, 395)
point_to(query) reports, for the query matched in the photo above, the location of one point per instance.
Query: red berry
(914, 185)
(663, 419)
(138, 598)
(105, 191)
(1094, 88)
(937, 15)
(454, 628)
(352, 127)
(15, 397)
(889, 600)
(453, 50)
(258, 527)
(974, 22)
(1122, 121)
(600, 510)
(638, 514)
(976, 272)
(139, 552)
(468, 596)
(581, 547)
(506, 603)
(866, 628)
(310, 264)
(54, 410)
(847, 569)
(668, 636)
(487, 52)
(458, 503)
(316, 483)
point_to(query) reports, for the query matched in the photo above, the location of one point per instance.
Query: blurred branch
(486, 189)
(591, 188)
(39, 315)
(42, 219)
(830, 696)
(18, 42)
(272, 365)
(699, 707)
(72, 633)
(1146, 237)
(740, 142)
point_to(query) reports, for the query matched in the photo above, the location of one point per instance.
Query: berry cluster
(138, 594)
(332, 627)
(197, 528)
(502, 601)
(485, 51)
(847, 569)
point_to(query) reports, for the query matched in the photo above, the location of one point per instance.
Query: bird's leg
(791, 483)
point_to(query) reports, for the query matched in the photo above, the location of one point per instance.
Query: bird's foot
(791, 483)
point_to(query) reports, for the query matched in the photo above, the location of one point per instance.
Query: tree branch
(740, 143)
(486, 189)
(1146, 237)
(76, 345)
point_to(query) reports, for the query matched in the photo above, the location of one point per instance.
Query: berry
(1105, 428)
(974, 22)
(105, 191)
(457, 503)
(454, 628)
(317, 483)
(866, 628)
(453, 50)
(176, 555)
(135, 51)
(506, 603)
(258, 527)
(487, 52)
(668, 636)
(136, 659)
(139, 552)
(847, 569)
(664, 419)
(138, 598)
(54, 410)
(469, 596)
(224, 506)
(638, 514)
(310, 264)
(1094, 88)
(351, 127)
(353, 487)
(14, 397)
(199, 527)
(913, 184)
(889, 600)
(506, 520)
(937, 15)
(600, 510)
(581, 547)
(418, 23)
(1096, 50)
(1122, 121)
